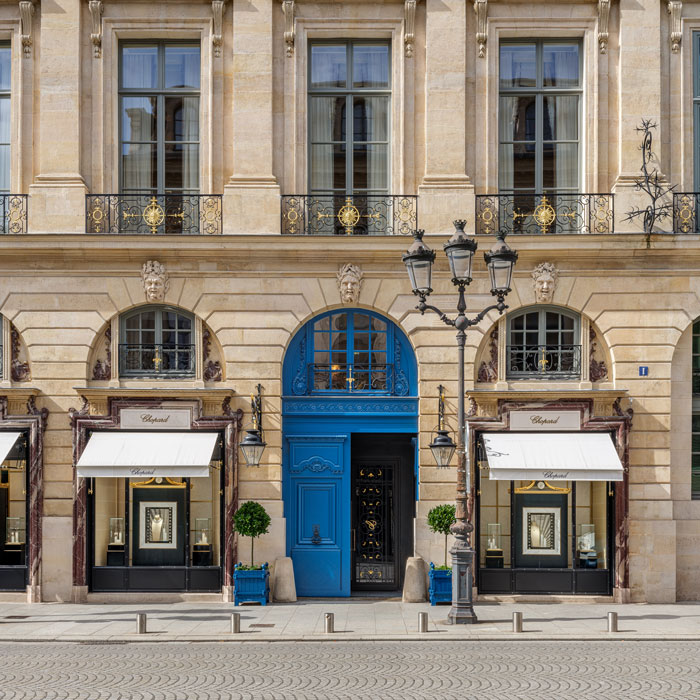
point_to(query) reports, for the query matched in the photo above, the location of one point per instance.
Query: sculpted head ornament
(545, 277)
(349, 283)
(155, 280)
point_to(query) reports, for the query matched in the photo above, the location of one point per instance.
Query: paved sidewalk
(355, 619)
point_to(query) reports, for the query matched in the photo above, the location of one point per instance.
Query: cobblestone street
(614, 670)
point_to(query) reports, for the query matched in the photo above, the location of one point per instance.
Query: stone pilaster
(446, 192)
(58, 190)
(639, 96)
(251, 197)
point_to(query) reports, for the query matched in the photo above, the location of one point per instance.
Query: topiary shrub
(251, 520)
(439, 520)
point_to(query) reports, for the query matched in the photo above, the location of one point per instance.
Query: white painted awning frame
(575, 456)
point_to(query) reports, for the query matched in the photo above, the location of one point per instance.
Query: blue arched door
(349, 420)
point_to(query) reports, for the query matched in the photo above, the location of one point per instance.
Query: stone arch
(595, 353)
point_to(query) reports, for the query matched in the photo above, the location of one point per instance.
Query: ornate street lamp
(252, 445)
(442, 445)
(500, 261)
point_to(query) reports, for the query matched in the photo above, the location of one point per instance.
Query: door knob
(316, 537)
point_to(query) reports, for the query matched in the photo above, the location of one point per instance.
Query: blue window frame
(350, 351)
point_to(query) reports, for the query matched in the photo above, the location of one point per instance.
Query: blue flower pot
(251, 586)
(440, 585)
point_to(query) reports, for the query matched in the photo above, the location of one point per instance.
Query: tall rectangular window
(539, 117)
(5, 60)
(349, 111)
(159, 94)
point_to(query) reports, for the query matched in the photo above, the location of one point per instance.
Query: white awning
(552, 456)
(7, 442)
(145, 455)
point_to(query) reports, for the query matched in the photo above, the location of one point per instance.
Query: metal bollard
(517, 622)
(235, 623)
(140, 623)
(328, 619)
(423, 622)
(612, 622)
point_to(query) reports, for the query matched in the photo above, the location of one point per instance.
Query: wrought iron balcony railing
(544, 213)
(355, 377)
(169, 214)
(13, 213)
(550, 361)
(685, 212)
(351, 215)
(156, 359)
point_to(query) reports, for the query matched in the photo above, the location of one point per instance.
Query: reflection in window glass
(159, 103)
(539, 126)
(5, 60)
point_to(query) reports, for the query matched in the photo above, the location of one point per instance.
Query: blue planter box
(440, 585)
(251, 586)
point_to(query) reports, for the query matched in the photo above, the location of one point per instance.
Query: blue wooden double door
(349, 502)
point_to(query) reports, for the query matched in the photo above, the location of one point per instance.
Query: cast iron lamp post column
(500, 261)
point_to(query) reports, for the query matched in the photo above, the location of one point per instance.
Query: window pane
(139, 166)
(339, 322)
(517, 118)
(328, 66)
(138, 119)
(181, 166)
(5, 168)
(182, 119)
(322, 325)
(139, 66)
(5, 59)
(560, 165)
(371, 119)
(4, 120)
(518, 68)
(516, 166)
(327, 119)
(370, 66)
(328, 167)
(182, 66)
(560, 118)
(371, 170)
(561, 65)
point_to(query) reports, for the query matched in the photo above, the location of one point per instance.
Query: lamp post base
(462, 610)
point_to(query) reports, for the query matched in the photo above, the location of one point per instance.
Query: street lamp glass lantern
(460, 254)
(252, 447)
(500, 261)
(419, 264)
(442, 447)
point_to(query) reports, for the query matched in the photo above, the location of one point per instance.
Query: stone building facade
(190, 211)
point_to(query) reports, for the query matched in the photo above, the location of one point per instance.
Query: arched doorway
(349, 422)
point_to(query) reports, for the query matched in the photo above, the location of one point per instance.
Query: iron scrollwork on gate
(374, 555)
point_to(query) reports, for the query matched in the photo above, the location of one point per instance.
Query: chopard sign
(545, 420)
(155, 418)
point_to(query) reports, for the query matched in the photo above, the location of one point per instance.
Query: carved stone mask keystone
(545, 277)
(155, 281)
(349, 283)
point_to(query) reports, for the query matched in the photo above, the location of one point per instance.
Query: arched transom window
(157, 341)
(544, 343)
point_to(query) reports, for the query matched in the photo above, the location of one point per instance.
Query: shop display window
(13, 507)
(157, 522)
(557, 524)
